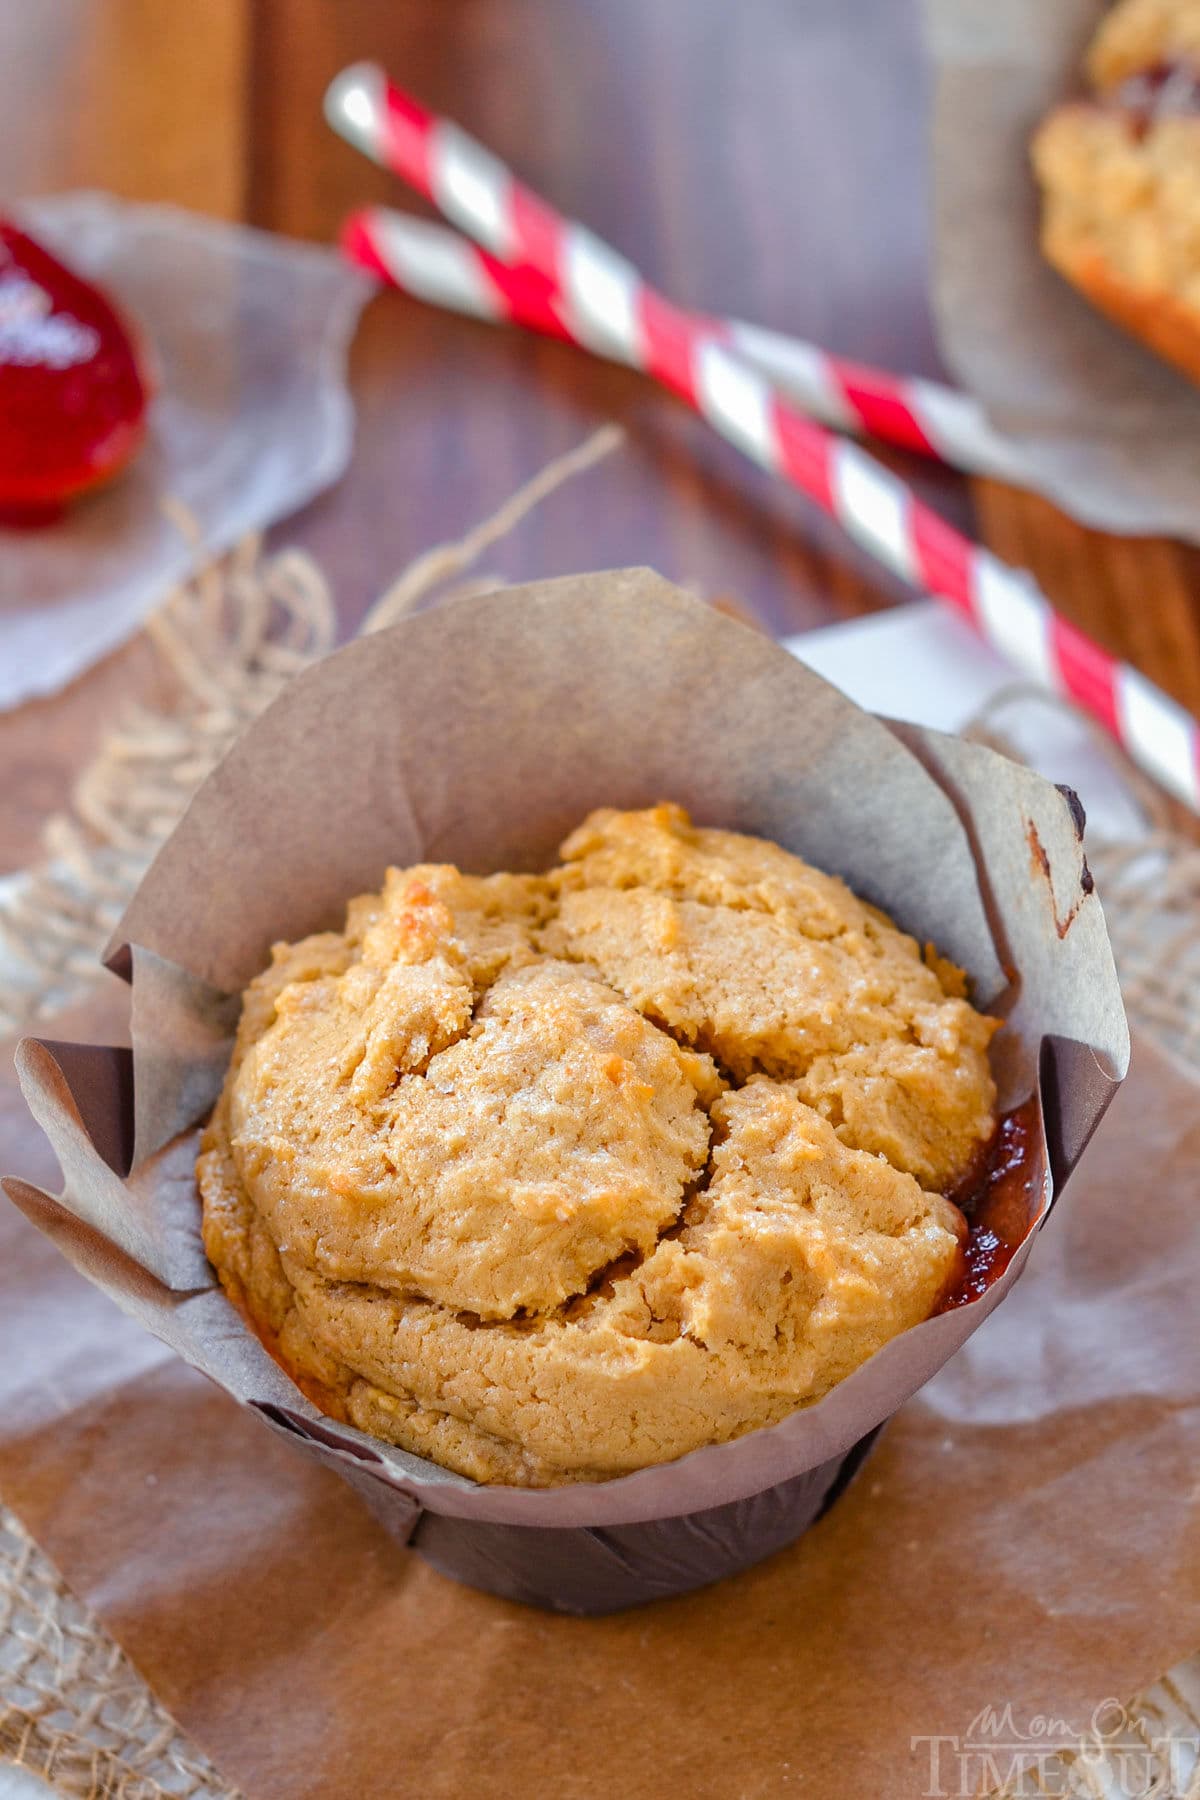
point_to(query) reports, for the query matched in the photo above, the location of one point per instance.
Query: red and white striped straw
(442, 268)
(906, 410)
(397, 132)
(594, 297)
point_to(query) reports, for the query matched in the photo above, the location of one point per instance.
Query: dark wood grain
(737, 154)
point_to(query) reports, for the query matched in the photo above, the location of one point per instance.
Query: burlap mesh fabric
(73, 1710)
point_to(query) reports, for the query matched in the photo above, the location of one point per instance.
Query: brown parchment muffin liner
(480, 734)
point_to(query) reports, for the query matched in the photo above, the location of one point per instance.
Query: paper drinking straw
(444, 269)
(594, 297)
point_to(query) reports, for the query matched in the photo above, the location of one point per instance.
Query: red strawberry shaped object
(73, 390)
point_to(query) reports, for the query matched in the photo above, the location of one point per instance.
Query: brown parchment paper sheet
(1026, 1531)
(1106, 430)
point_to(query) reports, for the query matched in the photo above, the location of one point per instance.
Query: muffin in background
(1119, 173)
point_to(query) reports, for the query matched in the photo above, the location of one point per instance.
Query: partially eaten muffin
(552, 1177)
(1120, 177)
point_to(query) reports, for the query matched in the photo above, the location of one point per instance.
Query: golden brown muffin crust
(1137, 34)
(551, 1178)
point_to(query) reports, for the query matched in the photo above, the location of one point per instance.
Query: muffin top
(553, 1177)
(1136, 35)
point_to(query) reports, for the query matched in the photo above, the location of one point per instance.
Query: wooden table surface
(765, 158)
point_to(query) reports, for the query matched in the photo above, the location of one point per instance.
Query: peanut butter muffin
(549, 1178)
(1120, 177)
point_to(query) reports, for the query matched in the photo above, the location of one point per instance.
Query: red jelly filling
(73, 392)
(1163, 91)
(1001, 1199)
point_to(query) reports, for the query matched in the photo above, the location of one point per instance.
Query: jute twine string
(72, 1707)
